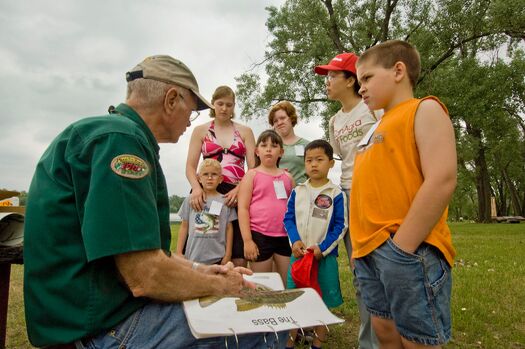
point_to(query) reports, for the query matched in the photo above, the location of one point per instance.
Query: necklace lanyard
(366, 139)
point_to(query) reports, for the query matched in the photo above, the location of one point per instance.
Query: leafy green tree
(175, 203)
(463, 205)
(306, 33)
(23, 198)
(479, 96)
(460, 43)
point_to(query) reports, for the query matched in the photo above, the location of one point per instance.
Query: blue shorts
(328, 278)
(412, 289)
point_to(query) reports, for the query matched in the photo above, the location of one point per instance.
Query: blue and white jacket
(322, 221)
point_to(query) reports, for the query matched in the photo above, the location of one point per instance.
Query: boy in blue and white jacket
(316, 219)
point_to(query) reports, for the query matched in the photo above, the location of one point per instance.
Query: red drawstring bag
(304, 272)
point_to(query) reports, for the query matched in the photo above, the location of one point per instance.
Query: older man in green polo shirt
(98, 271)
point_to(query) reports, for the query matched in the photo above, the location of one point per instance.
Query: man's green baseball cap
(171, 71)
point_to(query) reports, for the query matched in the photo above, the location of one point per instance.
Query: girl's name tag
(280, 191)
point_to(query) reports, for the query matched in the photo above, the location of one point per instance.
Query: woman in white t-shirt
(346, 128)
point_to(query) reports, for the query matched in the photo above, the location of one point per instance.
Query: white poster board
(259, 311)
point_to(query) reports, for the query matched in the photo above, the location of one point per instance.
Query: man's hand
(231, 283)
(215, 269)
(245, 271)
(230, 273)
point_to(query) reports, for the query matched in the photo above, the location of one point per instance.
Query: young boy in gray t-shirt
(208, 234)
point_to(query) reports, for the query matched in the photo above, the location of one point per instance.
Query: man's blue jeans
(164, 326)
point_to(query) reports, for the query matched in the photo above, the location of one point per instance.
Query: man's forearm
(154, 275)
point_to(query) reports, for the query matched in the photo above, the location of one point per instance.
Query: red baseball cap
(343, 61)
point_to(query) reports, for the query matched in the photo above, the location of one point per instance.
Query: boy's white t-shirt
(314, 191)
(345, 131)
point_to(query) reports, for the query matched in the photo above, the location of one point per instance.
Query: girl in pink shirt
(263, 195)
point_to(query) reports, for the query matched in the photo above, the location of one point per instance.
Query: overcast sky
(62, 60)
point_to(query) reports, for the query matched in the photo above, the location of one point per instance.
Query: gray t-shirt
(206, 231)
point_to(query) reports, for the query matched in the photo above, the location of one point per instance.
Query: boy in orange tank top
(404, 177)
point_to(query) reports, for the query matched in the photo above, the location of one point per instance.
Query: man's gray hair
(147, 93)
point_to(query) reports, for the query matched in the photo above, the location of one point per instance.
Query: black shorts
(268, 245)
(238, 244)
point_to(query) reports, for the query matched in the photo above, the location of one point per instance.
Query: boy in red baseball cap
(346, 128)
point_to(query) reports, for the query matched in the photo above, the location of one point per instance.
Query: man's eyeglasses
(194, 113)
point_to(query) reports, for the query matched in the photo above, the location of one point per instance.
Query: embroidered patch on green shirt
(129, 166)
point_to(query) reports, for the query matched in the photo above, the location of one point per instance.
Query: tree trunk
(501, 198)
(483, 188)
(334, 32)
(523, 206)
(481, 176)
(514, 199)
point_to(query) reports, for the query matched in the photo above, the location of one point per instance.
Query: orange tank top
(387, 176)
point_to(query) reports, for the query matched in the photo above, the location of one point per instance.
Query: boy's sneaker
(307, 338)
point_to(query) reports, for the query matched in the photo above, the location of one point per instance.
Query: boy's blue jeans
(164, 326)
(413, 289)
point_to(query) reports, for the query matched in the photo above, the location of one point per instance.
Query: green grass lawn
(488, 293)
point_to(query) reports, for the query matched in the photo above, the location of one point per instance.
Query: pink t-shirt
(266, 210)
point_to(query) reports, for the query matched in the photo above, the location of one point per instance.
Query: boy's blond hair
(210, 163)
(389, 52)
